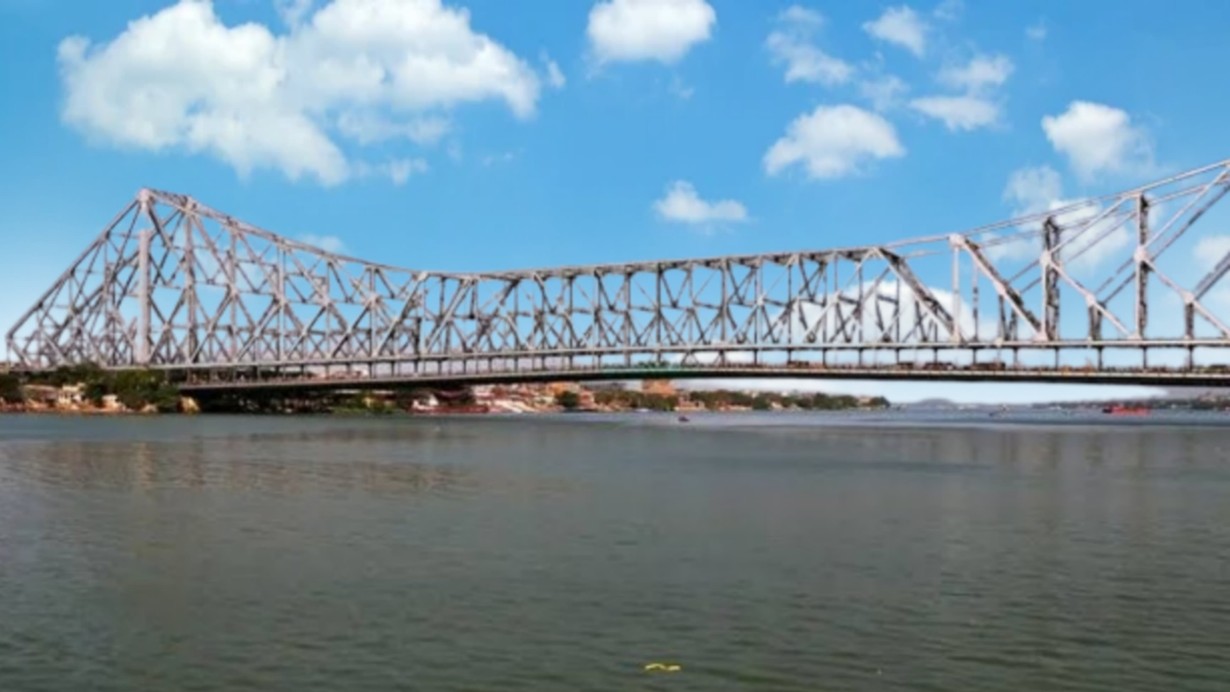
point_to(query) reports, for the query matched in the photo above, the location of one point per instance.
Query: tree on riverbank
(135, 389)
(10, 389)
(763, 401)
(629, 399)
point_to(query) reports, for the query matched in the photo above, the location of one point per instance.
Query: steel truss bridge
(1059, 295)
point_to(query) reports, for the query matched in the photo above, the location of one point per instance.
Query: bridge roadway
(1170, 377)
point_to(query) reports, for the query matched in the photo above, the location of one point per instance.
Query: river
(851, 551)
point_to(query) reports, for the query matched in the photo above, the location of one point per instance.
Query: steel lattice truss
(173, 284)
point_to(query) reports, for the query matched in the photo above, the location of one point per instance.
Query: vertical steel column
(143, 298)
(757, 312)
(628, 328)
(858, 309)
(279, 297)
(955, 335)
(190, 300)
(371, 317)
(1050, 280)
(973, 296)
(658, 316)
(1142, 266)
(898, 314)
(232, 291)
(791, 306)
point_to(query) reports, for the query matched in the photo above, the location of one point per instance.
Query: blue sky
(509, 135)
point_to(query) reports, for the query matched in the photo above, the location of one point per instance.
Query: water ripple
(324, 554)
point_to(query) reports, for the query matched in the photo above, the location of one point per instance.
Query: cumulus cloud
(901, 26)
(398, 171)
(1206, 254)
(292, 12)
(792, 45)
(883, 92)
(958, 112)
(1210, 250)
(1098, 139)
(682, 204)
(949, 10)
(976, 107)
(813, 319)
(797, 14)
(834, 141)
(982, 71)
(366, 127)
(182, 80)
(662, 30)
(555, 76)
(1034, 190)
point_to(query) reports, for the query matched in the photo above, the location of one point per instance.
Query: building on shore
(659, 387)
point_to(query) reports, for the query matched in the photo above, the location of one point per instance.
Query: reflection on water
(538, 553)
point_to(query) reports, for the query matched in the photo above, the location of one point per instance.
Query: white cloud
(901, 26)
(806, 63)
(1033, 189)
(1036, 32)
(1098, 139)
(662, 30)
(555, 76)
(370, 128)
(958, 112)
(328, 243)
(681, 203)
(400, 170)
(1210, 250)
(1040, 189)
(981, 72)
(834, 141)
(976, 107)
(797, 14)
(912, 310)
(792, 45)
(949, 10)
(396, 170)
(811, 323)
(884, 92)
(292, 12)
(181, 80)
(1206, 254)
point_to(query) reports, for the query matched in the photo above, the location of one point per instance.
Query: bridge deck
(1155, 377)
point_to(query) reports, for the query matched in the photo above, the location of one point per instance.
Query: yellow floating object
(663, 667)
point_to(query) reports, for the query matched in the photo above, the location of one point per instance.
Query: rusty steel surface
(1062, 295)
